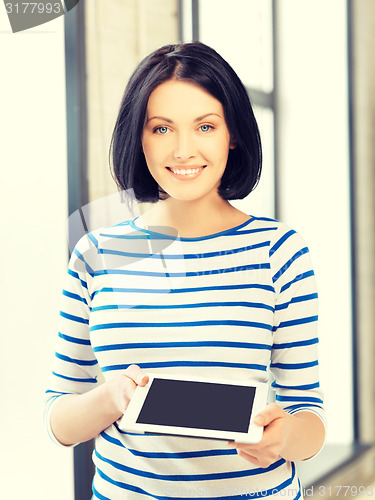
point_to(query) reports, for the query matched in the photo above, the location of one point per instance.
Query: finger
(241, 447)
(247, 456)
(143, 380)
(246, 447)
(271, 412)
(135, 373)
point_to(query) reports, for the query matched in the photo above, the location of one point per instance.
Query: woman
(230, 296)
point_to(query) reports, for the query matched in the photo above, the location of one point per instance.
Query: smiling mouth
(187, 172)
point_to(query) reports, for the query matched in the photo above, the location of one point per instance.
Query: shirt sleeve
(294, 355)
(75, 368)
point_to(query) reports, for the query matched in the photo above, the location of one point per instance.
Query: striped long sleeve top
(240, 304)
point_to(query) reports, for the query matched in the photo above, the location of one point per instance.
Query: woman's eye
(161, 130)
(205, 128)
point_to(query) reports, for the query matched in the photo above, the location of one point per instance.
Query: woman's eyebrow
(159, 118)
(168, 120)
(205, 116)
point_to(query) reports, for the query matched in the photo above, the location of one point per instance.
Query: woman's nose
(184, 147)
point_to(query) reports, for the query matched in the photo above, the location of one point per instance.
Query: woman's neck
(192, 219)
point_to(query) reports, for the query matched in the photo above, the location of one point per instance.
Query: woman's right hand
(79, 417)
(121, 387)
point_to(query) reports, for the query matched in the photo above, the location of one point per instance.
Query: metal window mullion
(260, 98)
(353, 227)
(195, 19)
(76, 117)
(180, 23)
(277, 194)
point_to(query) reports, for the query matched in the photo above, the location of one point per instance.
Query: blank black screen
(199, 405)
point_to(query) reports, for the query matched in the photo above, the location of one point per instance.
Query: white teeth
(189, 171)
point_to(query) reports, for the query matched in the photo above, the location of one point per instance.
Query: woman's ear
(233, 143)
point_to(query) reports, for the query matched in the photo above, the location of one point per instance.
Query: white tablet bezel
(128, 423)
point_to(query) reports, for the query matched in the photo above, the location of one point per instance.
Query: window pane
(242, 35)
(314, 189)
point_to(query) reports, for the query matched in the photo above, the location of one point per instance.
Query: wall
(33, 253)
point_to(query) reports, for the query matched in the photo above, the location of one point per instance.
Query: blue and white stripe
(237, 304)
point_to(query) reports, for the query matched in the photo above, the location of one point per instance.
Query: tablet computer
(197, 407)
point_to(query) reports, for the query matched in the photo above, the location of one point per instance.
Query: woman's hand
(277, 431)
(292, 437)
(121, 387)
(79, 417)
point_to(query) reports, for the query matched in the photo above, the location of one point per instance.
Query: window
(298, 85)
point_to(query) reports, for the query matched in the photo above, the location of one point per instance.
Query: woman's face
(185, 140)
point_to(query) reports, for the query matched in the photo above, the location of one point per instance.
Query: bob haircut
(197, 63)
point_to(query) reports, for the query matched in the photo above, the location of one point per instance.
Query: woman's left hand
(278, 428)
